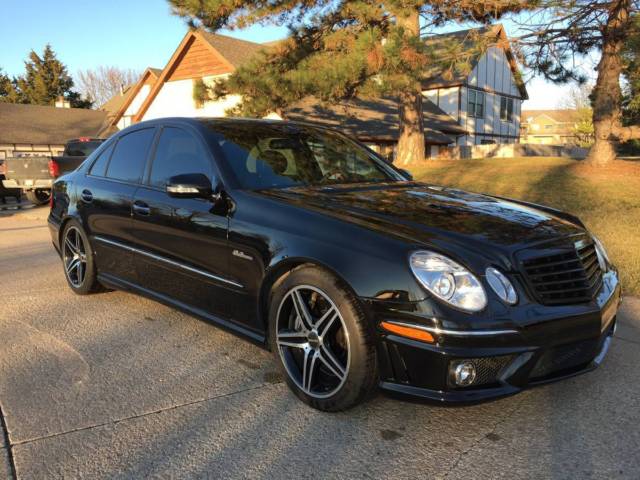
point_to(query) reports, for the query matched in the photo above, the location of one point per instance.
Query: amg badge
(238, 253)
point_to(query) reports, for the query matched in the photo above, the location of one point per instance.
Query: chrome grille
(573, 276)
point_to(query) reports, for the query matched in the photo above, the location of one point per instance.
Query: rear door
(182, 242)
(106, 197)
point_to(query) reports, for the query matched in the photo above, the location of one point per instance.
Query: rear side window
(178, 152)
(99, 167)
(129, 156)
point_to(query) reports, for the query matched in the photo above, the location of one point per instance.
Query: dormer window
(476, 104)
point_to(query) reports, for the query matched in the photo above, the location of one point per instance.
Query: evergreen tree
(562, 30)
(5, 85)
(45, 79)
(8, 91)
(343, 49)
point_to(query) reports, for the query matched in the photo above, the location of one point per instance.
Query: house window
(506, 109)
(476, 104)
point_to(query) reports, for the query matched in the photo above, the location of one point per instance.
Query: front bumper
(560, 343)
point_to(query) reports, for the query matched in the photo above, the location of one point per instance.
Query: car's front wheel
(319, 333)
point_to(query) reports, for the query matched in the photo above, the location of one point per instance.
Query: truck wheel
(39, 196)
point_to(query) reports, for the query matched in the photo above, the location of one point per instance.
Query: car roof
(212, 121)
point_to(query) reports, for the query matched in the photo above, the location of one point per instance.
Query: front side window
(476, 104)
(506, 109)
(178, 152)
(278, 156)
(130, 154)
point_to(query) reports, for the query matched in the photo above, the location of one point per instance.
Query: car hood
(423, 213)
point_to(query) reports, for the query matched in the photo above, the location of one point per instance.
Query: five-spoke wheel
(78, 260)
(313, 341)
(74, 257)
(321, 337)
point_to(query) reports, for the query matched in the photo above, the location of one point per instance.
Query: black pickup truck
(34, 175)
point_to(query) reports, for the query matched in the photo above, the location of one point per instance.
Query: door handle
(141, 208)
(86, 196)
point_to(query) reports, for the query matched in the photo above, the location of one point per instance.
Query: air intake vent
(565, 278)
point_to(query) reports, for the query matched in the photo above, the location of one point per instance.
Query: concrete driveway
(113, 385)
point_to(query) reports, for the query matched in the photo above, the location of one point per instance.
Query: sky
(133, 34)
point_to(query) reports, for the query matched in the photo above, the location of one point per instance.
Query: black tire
(88, 283)
(40, 196)
(361, 365)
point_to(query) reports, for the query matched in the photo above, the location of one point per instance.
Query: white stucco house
(483, 107)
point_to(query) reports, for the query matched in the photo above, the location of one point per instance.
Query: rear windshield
(267, 155)
(80, 149)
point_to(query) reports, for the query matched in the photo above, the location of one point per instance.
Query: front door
(181, 243)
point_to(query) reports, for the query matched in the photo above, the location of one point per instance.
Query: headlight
(448, 281)
(603, 258)
(500, 284)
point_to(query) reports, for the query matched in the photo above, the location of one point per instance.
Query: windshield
(80, 149)
(285, 155)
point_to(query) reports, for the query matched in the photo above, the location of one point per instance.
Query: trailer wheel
(39, 196)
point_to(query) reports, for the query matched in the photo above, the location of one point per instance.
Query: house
(375, 122)
(486, 102)
(550, 127)
(122, 107)
(204, 57)
(31, 130)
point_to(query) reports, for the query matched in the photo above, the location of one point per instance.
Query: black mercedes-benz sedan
(305, 242)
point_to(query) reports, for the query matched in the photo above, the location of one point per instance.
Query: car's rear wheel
(319, 333)
(39, 196)
(77, 260)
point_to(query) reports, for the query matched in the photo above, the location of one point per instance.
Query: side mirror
(190, 185)
(406, 174)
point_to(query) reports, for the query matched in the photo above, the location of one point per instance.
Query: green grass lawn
(607, 200)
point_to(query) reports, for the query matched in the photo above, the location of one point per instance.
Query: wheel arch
(281, 270)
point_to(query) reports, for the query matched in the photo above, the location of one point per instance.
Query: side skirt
(229, 326)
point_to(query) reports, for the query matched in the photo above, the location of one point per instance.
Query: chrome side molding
(168, 261)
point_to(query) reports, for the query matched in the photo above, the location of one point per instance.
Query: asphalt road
(113, 385)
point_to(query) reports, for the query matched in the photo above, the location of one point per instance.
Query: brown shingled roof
(114, 104)
(560, 115)
(237, 52)
(40, 125)
(375, 119)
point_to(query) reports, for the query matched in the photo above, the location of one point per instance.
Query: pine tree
(339, 50)
(562, 30)
(7, 88)
(45, 79)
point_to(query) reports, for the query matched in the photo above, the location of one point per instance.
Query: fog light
(464, 373)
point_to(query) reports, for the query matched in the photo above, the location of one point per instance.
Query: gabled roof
(434, 77)
(562, 115)
(374, 119)
(112, 105)
(230, 50)
(116, 106)
(41, 125)
(237, 52)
